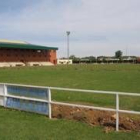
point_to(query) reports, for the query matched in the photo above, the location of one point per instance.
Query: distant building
(64, 61)
(23, 53)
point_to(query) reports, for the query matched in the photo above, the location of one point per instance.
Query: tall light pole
(126, 50)
(68, 33)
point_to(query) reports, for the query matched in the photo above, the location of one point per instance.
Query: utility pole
(68, 34)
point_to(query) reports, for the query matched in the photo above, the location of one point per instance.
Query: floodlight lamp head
(68, 32)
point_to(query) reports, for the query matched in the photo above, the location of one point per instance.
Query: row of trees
(118, 58)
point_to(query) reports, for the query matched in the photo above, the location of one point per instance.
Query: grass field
(98, 77)
(16, 125)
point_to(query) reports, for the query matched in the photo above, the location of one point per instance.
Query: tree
(72, 57)
(118, 54)
(91, 59)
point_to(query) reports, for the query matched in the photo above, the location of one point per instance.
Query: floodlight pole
(68, 33)
(126, 50)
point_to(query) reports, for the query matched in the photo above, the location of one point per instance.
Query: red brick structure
(24, 52)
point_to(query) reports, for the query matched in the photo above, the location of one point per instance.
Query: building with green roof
(20, 51)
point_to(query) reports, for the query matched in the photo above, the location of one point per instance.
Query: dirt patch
(96, 118)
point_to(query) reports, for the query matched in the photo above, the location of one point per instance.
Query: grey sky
(98, 27)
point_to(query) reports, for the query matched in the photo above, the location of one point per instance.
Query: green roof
(25, 46)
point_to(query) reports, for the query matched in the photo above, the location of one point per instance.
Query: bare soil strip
(96, 118)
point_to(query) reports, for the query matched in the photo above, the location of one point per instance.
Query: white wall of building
(64, 61)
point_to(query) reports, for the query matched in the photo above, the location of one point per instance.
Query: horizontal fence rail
(47, 102)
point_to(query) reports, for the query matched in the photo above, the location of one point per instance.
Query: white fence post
(5, 93)
(49, 103)
(117, 112)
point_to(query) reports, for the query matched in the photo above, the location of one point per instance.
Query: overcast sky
(98, 27)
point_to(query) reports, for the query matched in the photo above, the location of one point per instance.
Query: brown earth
(96, 118)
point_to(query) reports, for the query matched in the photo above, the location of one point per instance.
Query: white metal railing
(49, 101)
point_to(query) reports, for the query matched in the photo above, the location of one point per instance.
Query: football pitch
(112, 77)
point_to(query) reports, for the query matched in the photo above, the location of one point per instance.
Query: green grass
(16, 125)
(98, 77)
(21, 125)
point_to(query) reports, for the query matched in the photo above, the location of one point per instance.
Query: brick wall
(26, 55)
